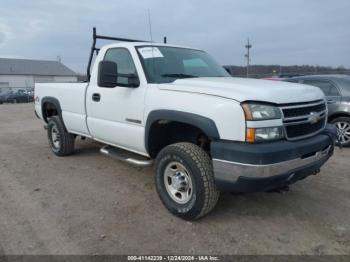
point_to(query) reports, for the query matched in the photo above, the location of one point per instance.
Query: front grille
(305, 129)
(302, 111)
(304, 120)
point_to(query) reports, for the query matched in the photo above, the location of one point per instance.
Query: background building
(17, 74)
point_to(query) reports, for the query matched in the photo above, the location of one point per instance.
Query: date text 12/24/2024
(174, 258)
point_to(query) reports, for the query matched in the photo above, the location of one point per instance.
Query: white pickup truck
(207, 131)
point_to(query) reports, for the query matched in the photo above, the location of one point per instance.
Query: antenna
(150, 24)
(150, 32)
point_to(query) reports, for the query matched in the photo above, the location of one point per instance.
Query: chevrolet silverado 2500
(207, 131)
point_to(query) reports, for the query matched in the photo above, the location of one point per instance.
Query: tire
(61, 142)
(186, 162)
(343, 129)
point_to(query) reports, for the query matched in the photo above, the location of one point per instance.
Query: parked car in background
(337, 91)
(2, 98)
(19, 96)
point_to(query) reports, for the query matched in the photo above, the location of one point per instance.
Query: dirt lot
(90, 204)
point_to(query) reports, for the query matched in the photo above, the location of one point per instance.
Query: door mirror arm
(133, 81)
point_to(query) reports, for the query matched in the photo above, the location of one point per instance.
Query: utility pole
(247, 56)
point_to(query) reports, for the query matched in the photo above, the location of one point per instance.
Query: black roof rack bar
(118, 39)
(93, 47)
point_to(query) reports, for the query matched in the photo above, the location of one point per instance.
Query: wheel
(184, 180)
(60, 141)
(343, 129)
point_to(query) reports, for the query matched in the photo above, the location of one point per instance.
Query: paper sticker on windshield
(150, 52)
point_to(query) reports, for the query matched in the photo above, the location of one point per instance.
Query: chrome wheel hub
(343, 130)
(55, 136)
(178, 182)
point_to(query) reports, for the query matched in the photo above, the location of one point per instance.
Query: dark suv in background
(337, 91)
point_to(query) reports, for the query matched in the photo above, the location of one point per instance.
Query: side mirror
(107, 74)
(133, 80)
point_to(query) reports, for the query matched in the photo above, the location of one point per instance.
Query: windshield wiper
(178, 75)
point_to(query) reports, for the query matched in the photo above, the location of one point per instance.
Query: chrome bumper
(231, 171)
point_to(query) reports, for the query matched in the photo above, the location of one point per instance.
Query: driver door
(116, 113)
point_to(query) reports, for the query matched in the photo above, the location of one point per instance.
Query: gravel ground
(90, 204)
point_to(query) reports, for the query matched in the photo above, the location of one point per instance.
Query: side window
(123, 59)
(327, 87)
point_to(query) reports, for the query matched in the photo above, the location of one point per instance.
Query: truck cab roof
(137, 44)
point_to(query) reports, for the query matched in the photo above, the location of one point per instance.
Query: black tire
(64, 145)
(340, 121)
(199, 165)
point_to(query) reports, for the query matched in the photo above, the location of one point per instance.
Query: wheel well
(332, 117)
(49, 109)
(163, 133)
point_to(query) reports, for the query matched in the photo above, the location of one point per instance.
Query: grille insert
(304, 120)
(305, 129)
(302, 111)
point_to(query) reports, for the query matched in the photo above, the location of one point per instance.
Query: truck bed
(71, 97)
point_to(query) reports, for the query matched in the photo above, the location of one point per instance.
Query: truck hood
(243, 89)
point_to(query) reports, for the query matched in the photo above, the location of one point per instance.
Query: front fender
(203, 123)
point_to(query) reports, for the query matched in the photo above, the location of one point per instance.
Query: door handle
(330, 101)
(96, 97)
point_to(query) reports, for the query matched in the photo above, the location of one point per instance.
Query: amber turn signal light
(250, 135)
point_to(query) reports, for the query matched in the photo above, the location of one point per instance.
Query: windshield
(163, 64)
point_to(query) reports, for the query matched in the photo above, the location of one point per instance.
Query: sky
(298, 32)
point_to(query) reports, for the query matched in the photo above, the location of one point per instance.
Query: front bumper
(242, 167)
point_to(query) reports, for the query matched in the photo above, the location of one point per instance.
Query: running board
(126, 156)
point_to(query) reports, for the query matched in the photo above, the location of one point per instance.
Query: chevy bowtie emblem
(314, 117)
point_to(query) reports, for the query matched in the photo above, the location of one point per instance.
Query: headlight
(256, 111)
(264, 134)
